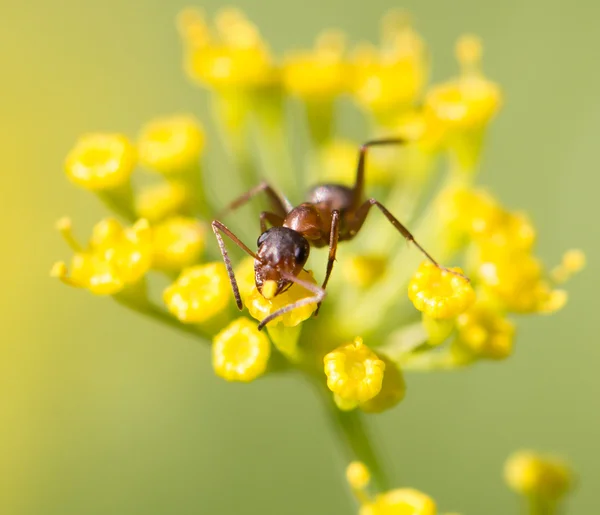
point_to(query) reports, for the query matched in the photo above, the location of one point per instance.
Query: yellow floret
(469, 101)
(115, 258)
(393, 389)
(390, 79)
(402, 501)
(171, 145)
(354, 372)
(240, 352)
(439, 293)
(101, 161)
(530, 473)
(517, 281)
(177, 243)
(162, 200)
(573, 261)
(234, 57)
(319, 74)
(260, 307)
(199, 293)
(485, 333)
(358, 475)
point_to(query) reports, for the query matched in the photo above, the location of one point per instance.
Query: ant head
(281, 251)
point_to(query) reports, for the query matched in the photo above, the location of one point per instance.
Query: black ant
(332, 213)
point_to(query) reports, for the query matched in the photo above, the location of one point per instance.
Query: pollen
(240, 352)
(530, 473)
(171, 145)
(404, 501)
(354, 372)
(318, 74)
(159, 201)
(199, 293)
(115, 257)
(439, 293)
(485, 333)
(100, 162)
(261, 307)
(177, 243)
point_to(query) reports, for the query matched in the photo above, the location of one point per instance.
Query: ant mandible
(332, 213)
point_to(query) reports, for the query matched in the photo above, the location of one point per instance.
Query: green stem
(148, 309)
(539, 506)
(120, 201)
(352, 436)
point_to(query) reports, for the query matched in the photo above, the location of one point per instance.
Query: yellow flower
(115, 257)
(439, 293)
(485, 333)
(260, 307)
(177, 243)
(469, 211)
(390, 79)
(358, 475)
(530, 473)
(573, 261)
(393, 389)
(319, 74)
(159, 201)
(240, 352)
(469, 101)
(402, 501)
(199, 293)
(171, 145)
(244, 275)
(517, 280)
(235, 57)
(354, 372)
(101, 161)
(363, 270)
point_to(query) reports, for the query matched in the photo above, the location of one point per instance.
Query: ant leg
(217, 228)
(280, 204)
(319, 295)
(359, 183)
(334, 234)
(361, 215)
(272, 218)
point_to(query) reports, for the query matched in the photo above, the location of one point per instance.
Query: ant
(332, 213)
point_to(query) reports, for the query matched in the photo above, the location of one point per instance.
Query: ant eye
(301, 254)
(261, 239)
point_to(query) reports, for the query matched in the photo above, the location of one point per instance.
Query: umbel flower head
(445, 300)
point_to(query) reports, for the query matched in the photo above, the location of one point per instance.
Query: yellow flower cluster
(439, 293)
(462, 319)
(354, 373)
(115, 257)
(532, 474)
(260, 307)
(101, 161)
(199, 293)
(240, 352)
(503, 258)
(230, 55)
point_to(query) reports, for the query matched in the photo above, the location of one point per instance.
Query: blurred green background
(104, 412)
